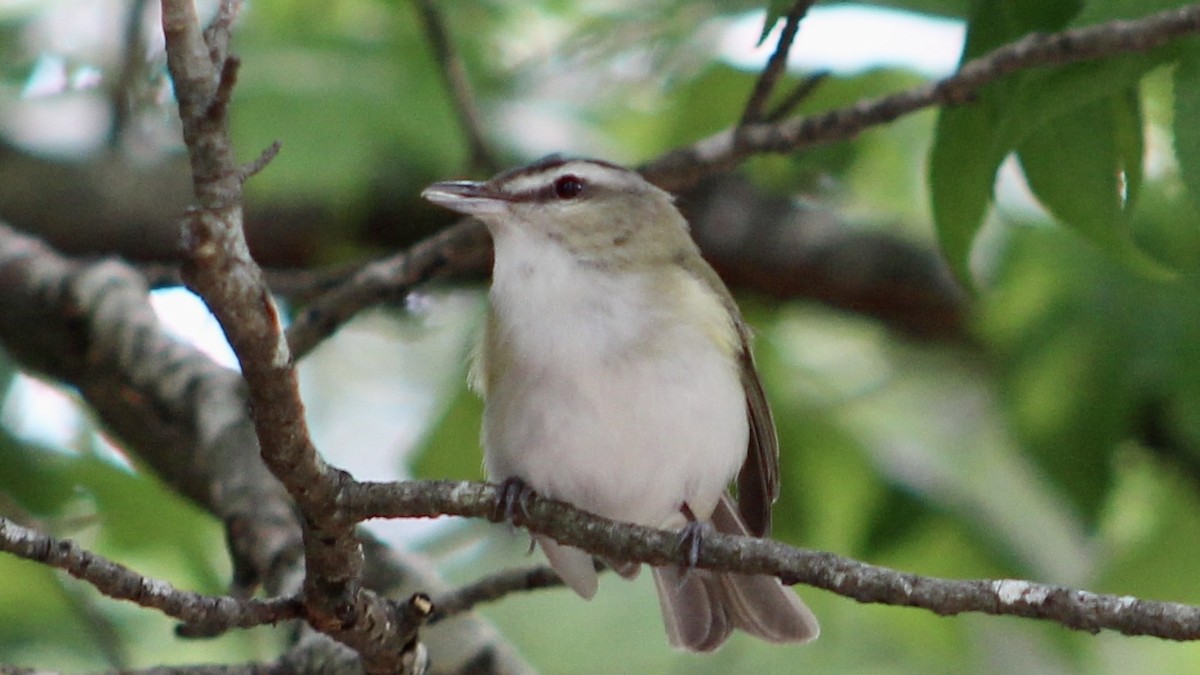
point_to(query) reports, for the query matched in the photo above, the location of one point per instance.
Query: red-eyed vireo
(618, 377)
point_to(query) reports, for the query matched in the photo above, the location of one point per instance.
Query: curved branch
(683, 167)
(219, 268)
(117, 581)
(1075, 609)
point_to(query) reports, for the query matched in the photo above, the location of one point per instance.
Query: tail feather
(765, 608)
(693, 613)
(573, 565)
(701, 608)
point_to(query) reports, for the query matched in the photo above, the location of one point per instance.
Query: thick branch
(219, 268)
(1075, 609)
(92, 326)
(683, 167)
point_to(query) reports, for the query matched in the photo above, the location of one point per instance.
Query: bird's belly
(631, 442)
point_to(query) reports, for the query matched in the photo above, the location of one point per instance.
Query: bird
(617, 376)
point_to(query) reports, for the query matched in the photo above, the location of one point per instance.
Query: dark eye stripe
(559, 183)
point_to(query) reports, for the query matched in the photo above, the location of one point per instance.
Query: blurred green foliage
(1059, 442)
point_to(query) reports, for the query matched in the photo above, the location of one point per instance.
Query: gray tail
(701, 608)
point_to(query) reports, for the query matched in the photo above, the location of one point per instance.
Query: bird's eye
(568, 186)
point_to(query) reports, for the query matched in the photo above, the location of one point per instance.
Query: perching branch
(1074, 609)
(683, 167)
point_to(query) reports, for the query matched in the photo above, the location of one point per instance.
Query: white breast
(616, 398)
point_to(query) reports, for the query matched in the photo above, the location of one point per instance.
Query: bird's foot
(514, 496)
(691, 542)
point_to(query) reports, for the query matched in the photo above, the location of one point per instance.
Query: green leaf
(1131, 145)
(1087, 350)
(972, 140)
(962, 169)
(1086, 168)
(775, 10)
(1041, 114)
(1072, 166)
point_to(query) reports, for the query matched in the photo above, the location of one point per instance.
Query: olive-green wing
(758, 481)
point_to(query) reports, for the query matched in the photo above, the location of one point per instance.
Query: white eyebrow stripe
(589, 172)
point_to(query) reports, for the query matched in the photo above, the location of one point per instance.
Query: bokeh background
(1024, 405)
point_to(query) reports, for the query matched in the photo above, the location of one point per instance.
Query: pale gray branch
(1075, 609)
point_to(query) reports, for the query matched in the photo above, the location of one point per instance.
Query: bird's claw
(514, 495)
(691, 542)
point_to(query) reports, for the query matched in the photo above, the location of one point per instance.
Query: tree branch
(454, 75)
(776, 64)
(219, 268)
(92, 326)
(1075, 609)
(120, 582)
(493, 587)
(683, 167)
(455, 251)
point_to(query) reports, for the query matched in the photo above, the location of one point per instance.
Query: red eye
(568, 186)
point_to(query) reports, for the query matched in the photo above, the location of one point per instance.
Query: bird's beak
(466, 197)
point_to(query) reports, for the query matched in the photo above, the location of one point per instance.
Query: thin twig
(120, 582)
(776, 65)
(798, 96)
(681, 168)
(492, 588)
(133, 68)
(249, 170)
(454, 75)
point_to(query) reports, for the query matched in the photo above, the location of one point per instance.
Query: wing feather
(758, 481)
